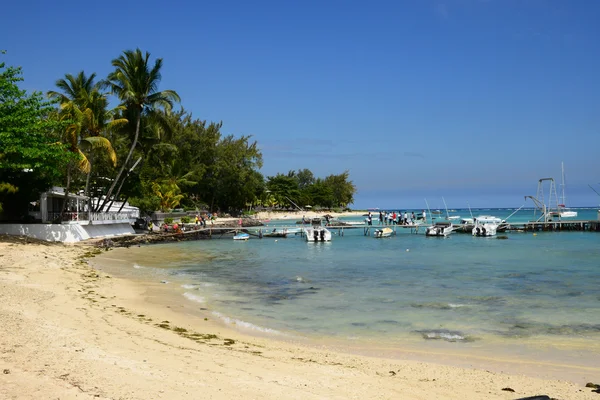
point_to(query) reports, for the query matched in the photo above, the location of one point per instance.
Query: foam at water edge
(136, 266)
(186, 286)
(245, 325)
(193, 297)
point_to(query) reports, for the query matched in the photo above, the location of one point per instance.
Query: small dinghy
(241, 236)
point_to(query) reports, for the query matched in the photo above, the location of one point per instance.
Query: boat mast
(447, 213)
(562, 185)
(429, 211)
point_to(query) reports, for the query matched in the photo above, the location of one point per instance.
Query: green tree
(342, 189)
(135, 82)
(31, 160)
(284, 188)
(85, 109)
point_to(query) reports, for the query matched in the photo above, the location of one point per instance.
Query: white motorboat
(382, 233)
(486, 225)
(441, 228)
(317, 234)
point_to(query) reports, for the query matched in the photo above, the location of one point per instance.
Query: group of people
(199, 220)
(393, 218)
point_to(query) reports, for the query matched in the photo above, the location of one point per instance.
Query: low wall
(66, 233)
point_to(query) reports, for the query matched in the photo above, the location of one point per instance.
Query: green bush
(168, 220)
(185, 220)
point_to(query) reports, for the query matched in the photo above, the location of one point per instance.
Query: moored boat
(486, 225)
(382, 233)
(241, 236)
(317, 234)
(276, 234)
(442, 229)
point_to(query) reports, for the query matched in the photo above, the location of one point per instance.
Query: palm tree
(85, 107)
(135, 82)
(74, 88)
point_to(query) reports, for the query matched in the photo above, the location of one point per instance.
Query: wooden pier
(216, 231)
(558, 226)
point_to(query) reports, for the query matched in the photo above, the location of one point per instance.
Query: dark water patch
(247, 308)
(388, 322)
(485, 300)
(237, 302)
(512, 275)
(358, 324)
(445, 334)
(265, 316)
(574, 293)
(287, 293)
(526, 329)
(337, 307)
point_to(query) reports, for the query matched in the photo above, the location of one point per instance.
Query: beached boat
(317, 234)
(382, 233)
(486, 225)
(241, 236)
(441, 228)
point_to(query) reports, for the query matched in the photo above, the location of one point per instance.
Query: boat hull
(383, 233)
(241, 236)
(439, 230)
(317, 234)
(485, 230)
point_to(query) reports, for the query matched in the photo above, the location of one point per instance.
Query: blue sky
(473, 100)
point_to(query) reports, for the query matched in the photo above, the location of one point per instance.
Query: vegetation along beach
(300, 200)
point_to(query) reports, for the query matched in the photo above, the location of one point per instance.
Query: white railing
(114, 216)
(68, 216)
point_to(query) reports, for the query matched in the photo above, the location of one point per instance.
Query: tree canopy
(142, 150)
(31, 157)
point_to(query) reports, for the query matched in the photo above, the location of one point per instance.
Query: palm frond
(102, 143)
(83, 165)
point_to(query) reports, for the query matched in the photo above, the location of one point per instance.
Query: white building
(78, 222)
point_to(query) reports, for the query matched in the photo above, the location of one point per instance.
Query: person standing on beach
(370, 219)
(380, 218)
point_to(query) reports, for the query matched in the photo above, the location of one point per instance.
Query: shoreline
(552, 356)
(71, 331)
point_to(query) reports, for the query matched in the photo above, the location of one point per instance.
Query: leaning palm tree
(86, 109)
(98, 119)
(136, 82)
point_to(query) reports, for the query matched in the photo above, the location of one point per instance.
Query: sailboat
(563, 211)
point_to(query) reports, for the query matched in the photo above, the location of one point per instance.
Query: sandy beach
(70, 331)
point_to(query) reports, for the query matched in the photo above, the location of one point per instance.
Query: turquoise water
(398, 289)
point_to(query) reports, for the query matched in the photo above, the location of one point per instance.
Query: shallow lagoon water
(403, 289)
